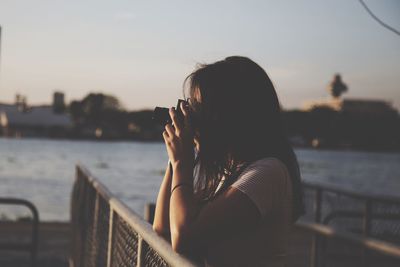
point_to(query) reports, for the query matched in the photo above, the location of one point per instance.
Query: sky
(141, 51)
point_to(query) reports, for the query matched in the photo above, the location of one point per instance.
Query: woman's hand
(179, 139)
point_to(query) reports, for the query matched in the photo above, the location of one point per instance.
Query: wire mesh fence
(105, 233)
(125, 251)
(152, 258)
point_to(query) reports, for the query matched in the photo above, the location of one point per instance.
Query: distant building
(17, 120)
(359, 106)
(58, 102)
(335, 104)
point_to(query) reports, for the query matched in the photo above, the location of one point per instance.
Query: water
(42, 171)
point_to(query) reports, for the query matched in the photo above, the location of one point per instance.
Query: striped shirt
(263, 182)
(268, 185)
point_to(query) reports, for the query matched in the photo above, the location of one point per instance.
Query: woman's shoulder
(265, 182)
(267, 164)
(263, 173)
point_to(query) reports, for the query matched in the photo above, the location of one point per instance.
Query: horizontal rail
(358, 214)
(350, 193)
(33, 246)
(367, 243)
(100, 188)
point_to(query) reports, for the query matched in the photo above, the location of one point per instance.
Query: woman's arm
(192, 228)
(183, 208)
(161, 216)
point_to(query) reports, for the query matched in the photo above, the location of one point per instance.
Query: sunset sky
(141, 51)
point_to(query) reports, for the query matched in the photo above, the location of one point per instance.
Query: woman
(236, 209)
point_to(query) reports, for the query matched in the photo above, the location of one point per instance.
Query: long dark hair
(238, 120)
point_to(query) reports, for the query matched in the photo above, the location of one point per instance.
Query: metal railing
(105, 232)
(356, 206)
(32, 247)
(375, 245)
(367, 200)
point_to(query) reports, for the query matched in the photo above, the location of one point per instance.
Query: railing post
(110, 237)
(33, 247)
(367, 218)
(317, 205)
(367, 227)
(94, 245)
(149, 211)
(315, 238)
(140, 252)
(35, 233)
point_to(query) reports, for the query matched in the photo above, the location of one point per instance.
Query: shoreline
(154, 141)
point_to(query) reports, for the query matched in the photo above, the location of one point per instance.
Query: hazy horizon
(141, 52)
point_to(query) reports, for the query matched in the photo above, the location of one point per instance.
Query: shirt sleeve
(264, 182)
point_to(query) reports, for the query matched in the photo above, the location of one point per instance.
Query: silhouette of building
(58, 102)
(351, 105)
(17, 120)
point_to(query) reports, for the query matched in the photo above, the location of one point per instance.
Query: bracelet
(178, 185)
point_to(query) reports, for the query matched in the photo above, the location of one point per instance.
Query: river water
(42, 171)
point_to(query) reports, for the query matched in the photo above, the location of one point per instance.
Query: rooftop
(43, 116)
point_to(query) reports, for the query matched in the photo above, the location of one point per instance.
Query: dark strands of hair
(238, 121)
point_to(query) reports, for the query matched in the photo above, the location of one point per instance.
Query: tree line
(101, 116)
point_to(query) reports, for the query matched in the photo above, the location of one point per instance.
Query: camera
(161, 115)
